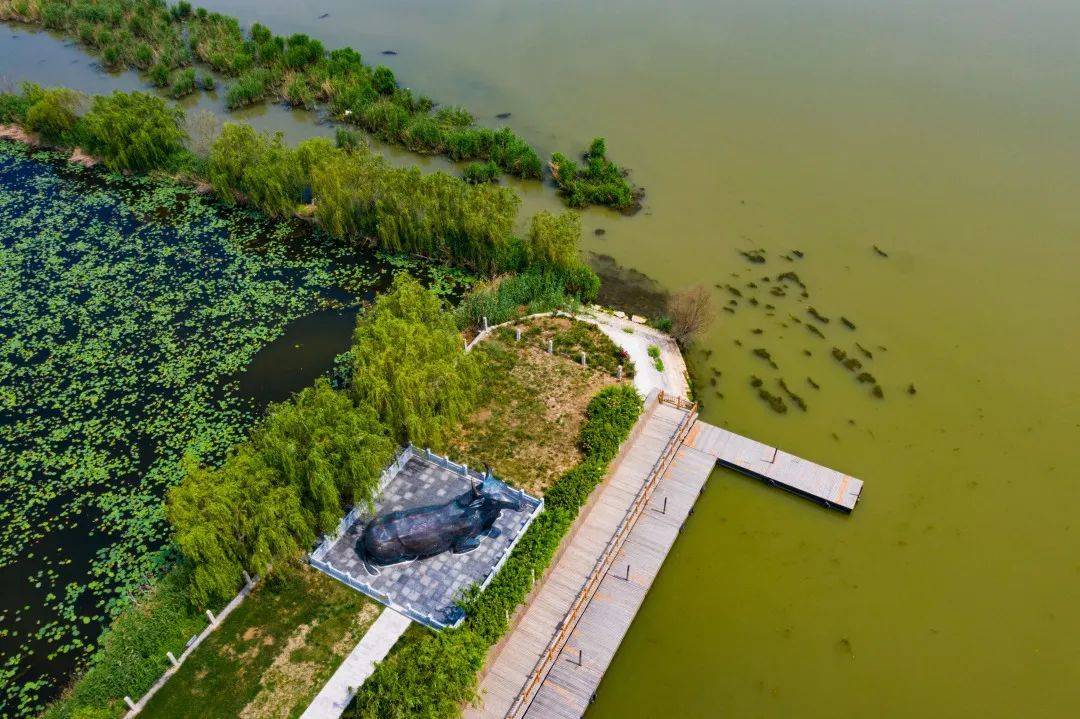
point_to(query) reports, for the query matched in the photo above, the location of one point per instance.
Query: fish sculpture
(457, 525)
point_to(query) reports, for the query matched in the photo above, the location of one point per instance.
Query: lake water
(949, 136)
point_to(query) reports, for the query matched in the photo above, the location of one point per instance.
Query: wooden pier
(823, 485)
(552, 661)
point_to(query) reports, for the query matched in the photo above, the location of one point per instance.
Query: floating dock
(828, 487)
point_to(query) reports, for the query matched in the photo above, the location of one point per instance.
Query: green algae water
(948, 135)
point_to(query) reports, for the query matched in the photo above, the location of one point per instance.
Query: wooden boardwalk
(555, 655)
(514, 662)
(821, 484)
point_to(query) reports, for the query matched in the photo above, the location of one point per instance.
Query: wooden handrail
(603, 565)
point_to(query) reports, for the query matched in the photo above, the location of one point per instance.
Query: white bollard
(551, 347)
(247, 579)
(131, 704)
(485, 324)
(172, 659)
(619, 373)
(210, 615)
(583, 362)
(517, 334)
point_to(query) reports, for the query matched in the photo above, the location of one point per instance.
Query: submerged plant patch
(129, 307)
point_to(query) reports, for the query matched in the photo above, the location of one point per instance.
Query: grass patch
(272, 654)
(529, 436)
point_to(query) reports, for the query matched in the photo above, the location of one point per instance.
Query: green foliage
(410, 365)
(383, 80)
(134, 131)
(553, 240)
(159, 75)
(600, 182)
(13, 108)
(358, 196)
(257, 166)
(52, 115)
(149, 35)
(513, 296)
(432, 675)
(183, 83)
(329, 449)
(476, 173)
(249, 88)
(131, 653)
(611, 414)
(235, 518)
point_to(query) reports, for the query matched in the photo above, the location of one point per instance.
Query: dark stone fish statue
(422, 532)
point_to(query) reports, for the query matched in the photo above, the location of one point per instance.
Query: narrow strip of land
(332, 699)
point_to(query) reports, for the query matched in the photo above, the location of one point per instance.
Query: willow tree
(232, 519)
(553, 240)
(134, 131)
(410, 365)
(327, 449)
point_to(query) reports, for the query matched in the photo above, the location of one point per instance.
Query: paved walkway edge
(358, 666)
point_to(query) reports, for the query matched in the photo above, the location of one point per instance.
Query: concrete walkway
(357, 667)
(635, 339)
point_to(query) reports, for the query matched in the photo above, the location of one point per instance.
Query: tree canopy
(410, 365)
(134, 131)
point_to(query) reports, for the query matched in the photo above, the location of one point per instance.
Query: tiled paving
(426, 589)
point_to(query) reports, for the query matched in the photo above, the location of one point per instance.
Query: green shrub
(249, 88)
(258, 166)
(383, 80)
(134, 131)
(159, 75)
(183, 83)
(52, 114)
(476, 173)
(207, 83)
(600, 182)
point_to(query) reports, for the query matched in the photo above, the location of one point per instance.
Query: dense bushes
(553, 240)
(134, 131)
(52, 113)
(599, 182)
(505, 298)
(432, 675)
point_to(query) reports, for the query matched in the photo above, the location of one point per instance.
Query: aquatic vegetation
(131, 307)
(764, 354)
(814, 330)
(756, 257)
(134, 131)
(476, 173)
(812, 383)
(775, 402)
(911, 388)
(817, 315)
(878, 392)
(599, 182)
(866, 353)
(148, 35)
(755, 381)
(795, 399)
(880, 252)
(847, 323)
